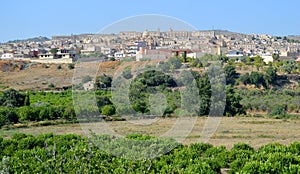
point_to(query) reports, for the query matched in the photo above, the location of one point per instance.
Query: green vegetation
(59, 67)
(86, 79)
(263, 89)
(12, 98)
(53, 50)
(276, 103)
(108, 110)
(49, 153)
(51, 85)
(250, 85)
(103, 82)
(71, 66)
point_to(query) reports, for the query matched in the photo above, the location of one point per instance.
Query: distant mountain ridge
(34, 39)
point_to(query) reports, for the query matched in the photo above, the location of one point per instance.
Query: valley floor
(231, 130)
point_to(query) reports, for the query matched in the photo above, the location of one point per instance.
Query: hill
(24, 75)
(35, 39)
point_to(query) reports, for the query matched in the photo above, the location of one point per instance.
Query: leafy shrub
(71, 66)
(108, 110)
(12, 98)
(71, 153)
(86, 79)
(174, 62)
(279, 111)
(51, 85)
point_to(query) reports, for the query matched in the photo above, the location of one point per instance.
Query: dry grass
(38, 77)
(255, 131)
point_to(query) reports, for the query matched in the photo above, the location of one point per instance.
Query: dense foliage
(263, 88)
(49, 153)
(276, 103)
(12, 98)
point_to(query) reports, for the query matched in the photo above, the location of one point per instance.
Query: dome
(145, 33)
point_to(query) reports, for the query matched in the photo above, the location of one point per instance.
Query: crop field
(231, 130)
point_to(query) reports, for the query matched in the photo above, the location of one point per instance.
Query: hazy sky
(29, 18)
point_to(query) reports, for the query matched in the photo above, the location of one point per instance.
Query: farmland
(259, 127)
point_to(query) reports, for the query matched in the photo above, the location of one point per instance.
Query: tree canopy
(12, 98)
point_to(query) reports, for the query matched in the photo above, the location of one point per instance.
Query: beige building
(61, 56)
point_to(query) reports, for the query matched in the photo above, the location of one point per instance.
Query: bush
(51, 85)
(127, 74)
(102, 101)
(279, 111)
(108, 110)
(174, 62)
(8, 115)
(59, 67)
(86, 79)
(12, 98)
(245, 79)
(12, 116)
(71, 66)
(3, 119)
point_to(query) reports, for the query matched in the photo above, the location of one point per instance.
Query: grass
(231, 130)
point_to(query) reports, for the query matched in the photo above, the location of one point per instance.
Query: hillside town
(153, 45)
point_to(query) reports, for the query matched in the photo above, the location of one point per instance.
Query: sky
(32, 18)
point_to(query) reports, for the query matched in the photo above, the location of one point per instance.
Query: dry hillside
(22, 75)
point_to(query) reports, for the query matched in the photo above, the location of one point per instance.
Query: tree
(275, 57)
(231, 74)
(204, 94)
(289, 66)
(233, 105)
(27, 100)
(103, 81)
(258, 62)
(8, 115)
(270, 76)
(102, 101)
(12, 98)
(245, 79)
(257, 79)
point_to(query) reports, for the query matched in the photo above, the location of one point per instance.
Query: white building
(232, 54)
(7, 56)
(88, 50)
(153, 54)
(267, 58)
(89, 85)
(119, 54)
